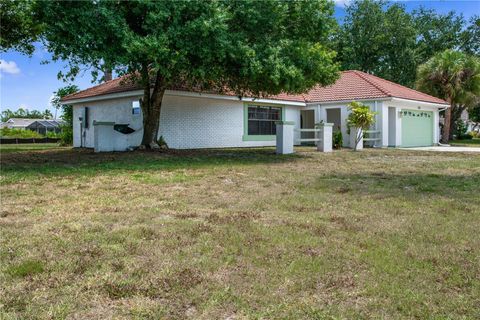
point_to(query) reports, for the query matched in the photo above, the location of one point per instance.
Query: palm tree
(453, 76)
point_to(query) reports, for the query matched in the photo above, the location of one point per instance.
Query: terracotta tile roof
(121, 84)
(352, 85)
(356, 85)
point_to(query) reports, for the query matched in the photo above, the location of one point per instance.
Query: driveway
(446, 149)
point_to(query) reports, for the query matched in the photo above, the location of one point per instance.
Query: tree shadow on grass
(85, 161)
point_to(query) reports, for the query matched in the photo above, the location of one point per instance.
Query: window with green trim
(261, 120)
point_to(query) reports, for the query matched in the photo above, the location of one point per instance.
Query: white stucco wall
(118, 111)
(186, 122)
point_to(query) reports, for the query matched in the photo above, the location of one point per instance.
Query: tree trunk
(358, 137)
(151, 106)
(107, 74)
(447, 125)
(456, 115)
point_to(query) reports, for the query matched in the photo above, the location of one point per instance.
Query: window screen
(261, 120)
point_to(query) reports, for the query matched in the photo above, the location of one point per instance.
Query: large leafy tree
(382, 38)
(455, 77)
(397, 62)
(255, 47)
(470, 39)
(67, 110)
(379, 38)
(436, 32)
(66, 136)
(362, 36)
(19, 27)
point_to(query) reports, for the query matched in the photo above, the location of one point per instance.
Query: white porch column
(284, 137)
(344, 112)
(325, 136)
(356, 132)
(436, 127)
(383, 127)
(398, 127)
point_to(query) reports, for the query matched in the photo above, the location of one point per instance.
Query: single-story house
(41, 126)
(405, 117)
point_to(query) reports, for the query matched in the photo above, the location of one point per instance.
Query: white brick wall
(186, 122)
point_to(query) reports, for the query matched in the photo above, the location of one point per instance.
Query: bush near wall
(66, 136)
(19, 133)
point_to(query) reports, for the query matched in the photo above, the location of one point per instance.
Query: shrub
(162, 143)
(460, 129)
(66, 136)
(474, 134)
(337, 139)
(360, 117)
(19, 133)
(52, 134)
(466, 136)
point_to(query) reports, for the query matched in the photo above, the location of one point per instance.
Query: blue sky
(26, 82)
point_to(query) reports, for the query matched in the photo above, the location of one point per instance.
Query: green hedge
(19, 133)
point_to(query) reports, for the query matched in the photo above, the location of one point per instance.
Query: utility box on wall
(103, 136)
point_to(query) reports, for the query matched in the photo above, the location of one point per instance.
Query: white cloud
(9, 67)
(342, 3)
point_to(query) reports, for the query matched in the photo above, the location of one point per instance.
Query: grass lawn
(8, 148)
(239, 234)
(466, 143)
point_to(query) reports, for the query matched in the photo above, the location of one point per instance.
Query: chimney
(107, 75)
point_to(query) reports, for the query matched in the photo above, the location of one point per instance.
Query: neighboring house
(41, 126)
(471, 125)
(17, 123)
(405, 117)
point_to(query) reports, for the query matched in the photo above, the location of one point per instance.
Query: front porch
(398, 122)
(310, 117)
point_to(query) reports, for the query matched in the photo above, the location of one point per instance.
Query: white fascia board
(127, 94)
(309, 104)
(139, 93)
(423, 103)
(233, 98)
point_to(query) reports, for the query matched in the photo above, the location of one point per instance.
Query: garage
(417, 128)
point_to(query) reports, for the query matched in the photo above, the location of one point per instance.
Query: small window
(261, 120)
(136, 107)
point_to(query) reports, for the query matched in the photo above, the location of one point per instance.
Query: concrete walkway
(446, 149)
